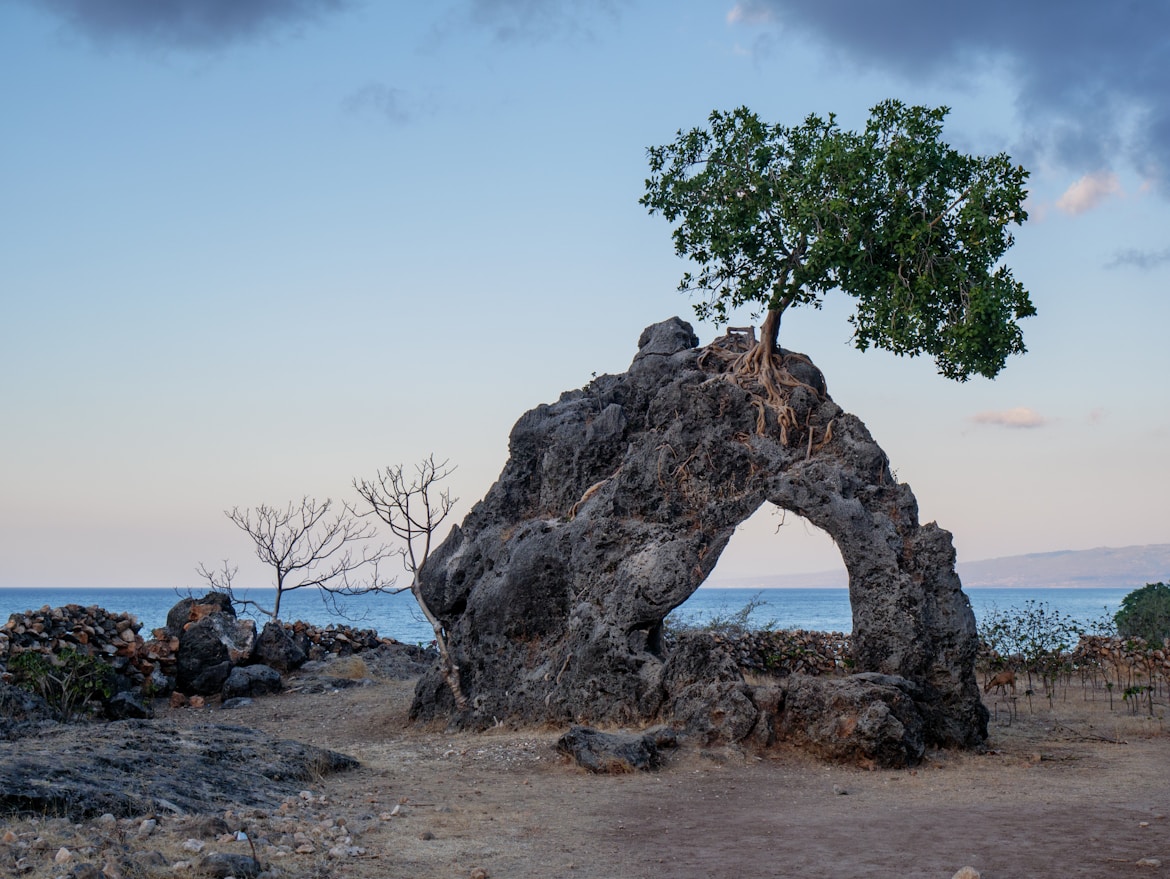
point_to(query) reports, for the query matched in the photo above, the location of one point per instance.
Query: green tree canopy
(1145, 613)
(914, 230)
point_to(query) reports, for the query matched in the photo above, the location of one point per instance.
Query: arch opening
(772, 550)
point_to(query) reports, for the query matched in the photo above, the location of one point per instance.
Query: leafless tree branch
(413, 507)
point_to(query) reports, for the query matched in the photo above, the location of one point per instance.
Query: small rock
(479, 873)
(147, 827)
(8, 838)
(425, 835)
(1149, 862)
(194, 845)
(63, 856)
(86, 871)
(839, 791)
(966, 873)
(219, 866)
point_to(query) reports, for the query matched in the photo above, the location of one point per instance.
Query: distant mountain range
(1128, 566)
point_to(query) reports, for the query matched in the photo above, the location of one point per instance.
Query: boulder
(614, 506)
(21, 711)
(869, 719)
(609, 753)
(221, 865)
(208, 650)
(251, 680)
(280, 648)
(127, 704)
(191, 609)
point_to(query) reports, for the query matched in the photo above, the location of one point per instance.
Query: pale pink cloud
(1089, 192)
(1019, 417)
(750, 12)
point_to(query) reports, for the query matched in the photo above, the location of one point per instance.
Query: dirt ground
(1068, 790)
(1071, 790)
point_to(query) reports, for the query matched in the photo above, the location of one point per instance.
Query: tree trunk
(770, 333)
(450, 670)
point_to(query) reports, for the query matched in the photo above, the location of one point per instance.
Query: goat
(1001, 682)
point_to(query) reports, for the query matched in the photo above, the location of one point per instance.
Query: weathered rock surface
(865, 718)
(135, 767)
(252, 680)
(208, 650)
(615, 753)
(614, 506)
(280, 648)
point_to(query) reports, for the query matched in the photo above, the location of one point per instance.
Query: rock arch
(614, 506)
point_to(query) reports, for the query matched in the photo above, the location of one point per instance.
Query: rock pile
(194, 654)
(1126, 658)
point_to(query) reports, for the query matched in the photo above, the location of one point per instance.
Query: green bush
(67, 681)
(1145, 613)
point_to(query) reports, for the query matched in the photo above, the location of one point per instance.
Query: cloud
(1139, 259)
(1090, 76)
(187, 24)
(750, 13)
(1089, 192)
(1019, 417)
(532, 21)
(393, 103)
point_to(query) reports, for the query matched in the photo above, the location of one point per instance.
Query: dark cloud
(1139, 259)
(187, 24)
(1092, 76)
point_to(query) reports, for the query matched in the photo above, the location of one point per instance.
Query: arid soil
(1068, 790)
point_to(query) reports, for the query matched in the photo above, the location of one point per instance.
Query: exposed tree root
(761, 370)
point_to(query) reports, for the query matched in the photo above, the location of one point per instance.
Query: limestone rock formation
(614, 506)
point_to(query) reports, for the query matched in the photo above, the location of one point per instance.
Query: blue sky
(251, 251)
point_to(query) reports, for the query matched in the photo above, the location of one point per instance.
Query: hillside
(1129, 567)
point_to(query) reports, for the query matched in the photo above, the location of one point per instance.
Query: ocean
(397, 616)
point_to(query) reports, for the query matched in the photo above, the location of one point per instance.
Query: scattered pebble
(966, 873)
(1149, 862)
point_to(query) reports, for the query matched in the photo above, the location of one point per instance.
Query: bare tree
(306, 545)
(413, 508)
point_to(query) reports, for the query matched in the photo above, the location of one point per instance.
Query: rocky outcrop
(136, 767)
(614, 506)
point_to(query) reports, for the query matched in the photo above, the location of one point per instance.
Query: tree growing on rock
(414, 507)
(306, 546)
(776, 217)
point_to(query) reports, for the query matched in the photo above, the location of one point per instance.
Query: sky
(251, 251)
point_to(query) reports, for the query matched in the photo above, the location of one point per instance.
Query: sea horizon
(397, 616)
